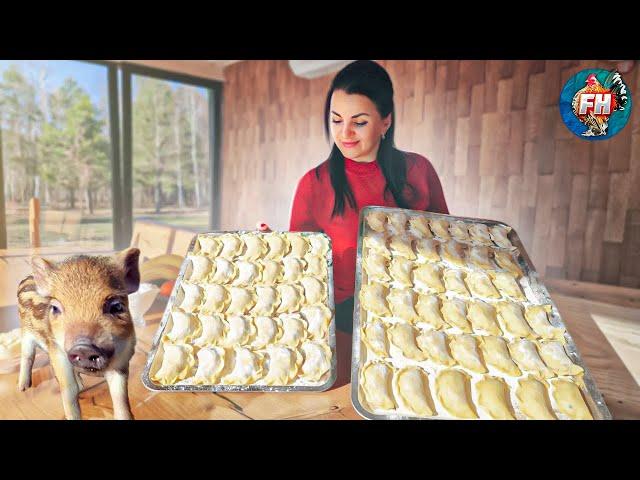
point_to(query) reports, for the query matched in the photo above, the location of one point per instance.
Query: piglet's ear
(127, 260)
(42, 272)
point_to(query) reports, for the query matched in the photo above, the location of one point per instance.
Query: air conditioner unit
(316, 68)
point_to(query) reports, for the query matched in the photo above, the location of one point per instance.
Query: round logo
(595, 104)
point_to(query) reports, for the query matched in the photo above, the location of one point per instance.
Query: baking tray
(535, 290)
(146, 380)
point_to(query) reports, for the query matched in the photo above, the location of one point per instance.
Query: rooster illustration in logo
(594, 103)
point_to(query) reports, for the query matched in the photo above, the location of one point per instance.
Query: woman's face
(356, 125)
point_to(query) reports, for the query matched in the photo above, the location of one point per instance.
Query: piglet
(77, 310)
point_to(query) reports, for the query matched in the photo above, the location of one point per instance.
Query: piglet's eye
(55, 310)
(116, 307)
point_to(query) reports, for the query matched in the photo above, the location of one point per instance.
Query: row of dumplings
(473, 352)
(245, 272)
(289, 329)
(261, 300)
(275, 365)
(382, 249)
(395, 389)
(253, 246)
(442, 312)
(434, 277)
(398, 223)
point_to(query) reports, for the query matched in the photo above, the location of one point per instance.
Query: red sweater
(313, 204)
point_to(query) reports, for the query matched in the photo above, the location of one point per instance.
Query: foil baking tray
(296, 386)
(533, 288)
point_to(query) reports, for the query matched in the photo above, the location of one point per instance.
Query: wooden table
(42, 401)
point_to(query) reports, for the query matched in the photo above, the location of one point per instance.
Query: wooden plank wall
(493, 132)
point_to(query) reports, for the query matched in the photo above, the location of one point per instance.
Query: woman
(364, 168)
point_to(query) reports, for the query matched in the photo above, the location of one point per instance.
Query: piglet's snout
(85, 355)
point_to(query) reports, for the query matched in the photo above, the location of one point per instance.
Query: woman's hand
(263, 227)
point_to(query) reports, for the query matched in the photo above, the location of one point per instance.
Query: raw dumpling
(375, 338)
(247, 367)
(419, 227)
(267, 301)
(318, 245)
(278, 245)
(496, 355)
(465, 350)
(177, 364)
(242, 300)
(512, 321)
(493, 398)
(397, 223)
(290, 298)
(556, 358)
(377, 242)
(505, 260)
(482, 316)
(536, 315)
(428, 309)
(403, 336)
(209, 245)
(200, 268)
(440, 228)
(400, 245)
(569, 400)
(400, 269)
(239, 331)
(499, 236)
(479, 257)
(454, 393)
(318, 318)
(533, 399)
(314, 290)
(377, 220)
(192, 297)
(299, 245)
(480, 234)
(427, 249)
(401, 302)
(376, 266)
(293, 268)
(458, 230)
(267, 331)
(184, 327)
(231, 245)
(376, 384)
(434, 343)
(212, 330)
(412, 387)
(248, 273)
(454, 312)
(374, 299)
(507, 284)
(317, 361)
(256, 248)
(225, 271)
(480, 285)
(294, 330)
(524, 353)
(453, 281)
(271, 272)
(316, 266)
(284, 363)
(453, 252)
(216, 298)
(210, 365)
(428, 276)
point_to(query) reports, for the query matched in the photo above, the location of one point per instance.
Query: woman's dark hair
(365, 77)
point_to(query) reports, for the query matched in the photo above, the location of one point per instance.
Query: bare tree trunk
(194, 153)
(72, 198)
(176, 131)
(89, 200)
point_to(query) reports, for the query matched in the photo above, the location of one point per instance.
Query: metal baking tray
(534, 290)
(146, 376)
